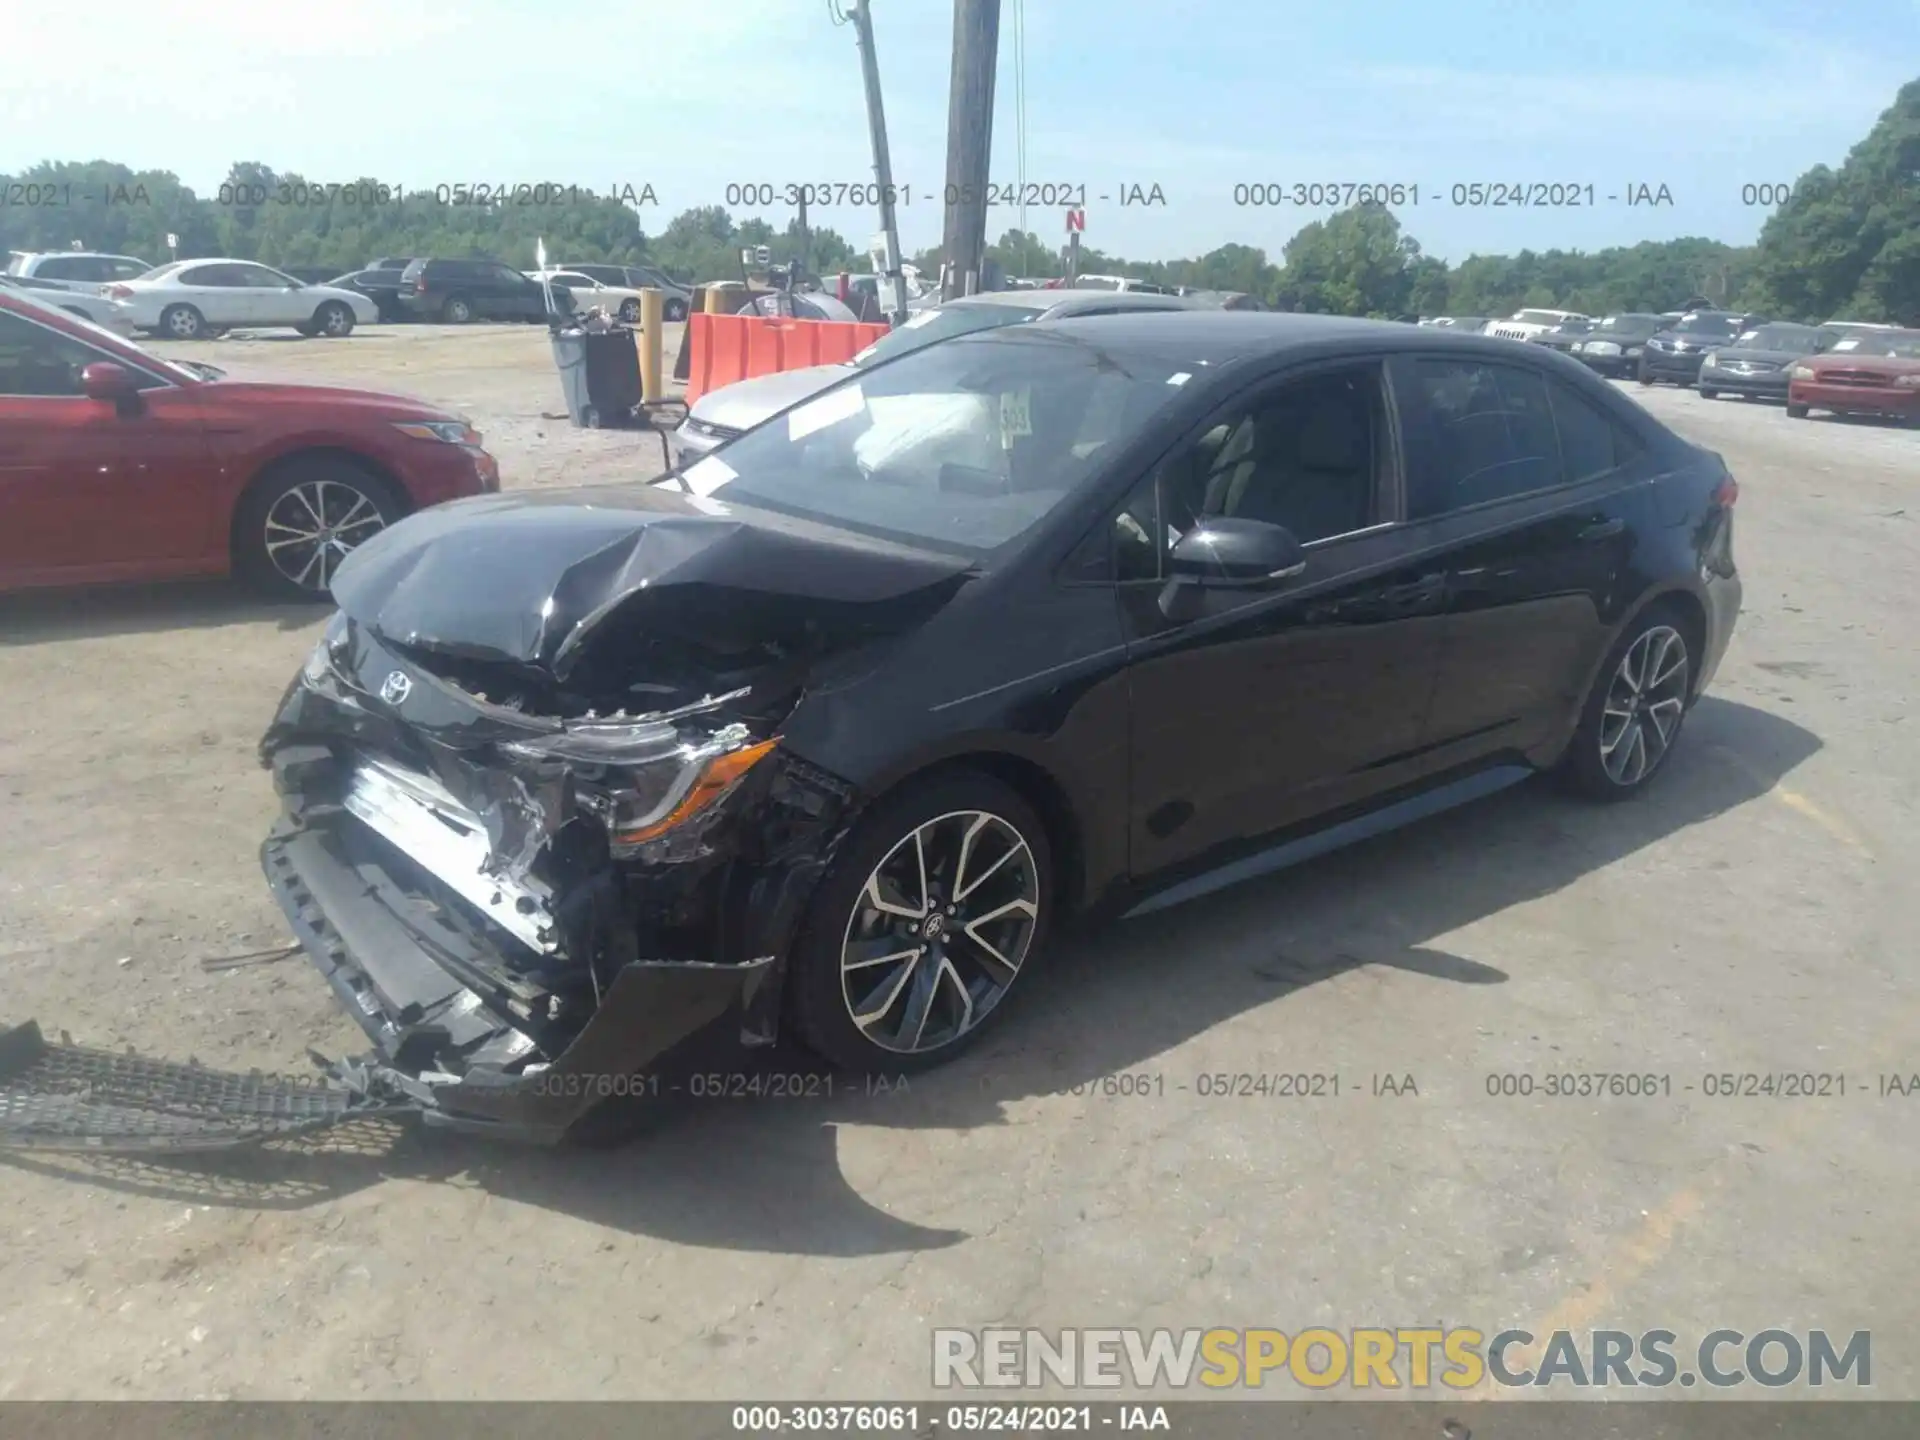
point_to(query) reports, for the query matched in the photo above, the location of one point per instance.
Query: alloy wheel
(313, 526)
(339, 320)
(939, 931)
(1645, 702)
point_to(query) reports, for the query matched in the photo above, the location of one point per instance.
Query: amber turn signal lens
(721, 775)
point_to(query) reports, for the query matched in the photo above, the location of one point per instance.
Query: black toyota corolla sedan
(831, 730)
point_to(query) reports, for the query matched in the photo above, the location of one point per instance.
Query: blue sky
(1197, 98)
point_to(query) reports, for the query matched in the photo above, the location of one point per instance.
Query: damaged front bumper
(422, 990)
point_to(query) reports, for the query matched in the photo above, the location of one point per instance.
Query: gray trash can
(599, 375)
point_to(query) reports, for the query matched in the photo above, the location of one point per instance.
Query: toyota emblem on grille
(395, 688)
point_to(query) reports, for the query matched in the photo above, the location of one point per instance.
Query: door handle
(1427, 587)
(1602, 530)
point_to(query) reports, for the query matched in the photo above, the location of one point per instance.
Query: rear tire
(675, 310)
(182, 322)
(1796, 412)
(946, 952)
(456, 310)
(1633, 717)
(629, 311)
(1707, 392)
(295, 525)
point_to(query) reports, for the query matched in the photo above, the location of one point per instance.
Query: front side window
(961, 447)
(38, 361)
(1492, 435)
(259, 277)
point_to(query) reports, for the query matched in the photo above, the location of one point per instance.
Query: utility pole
(882, 164)
(806, 238)
(976, 51)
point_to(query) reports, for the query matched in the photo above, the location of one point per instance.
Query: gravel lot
(1754, 913)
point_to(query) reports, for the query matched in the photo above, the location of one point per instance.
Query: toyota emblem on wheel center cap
(395, 688)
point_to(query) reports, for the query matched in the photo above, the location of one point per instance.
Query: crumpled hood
(525, 579)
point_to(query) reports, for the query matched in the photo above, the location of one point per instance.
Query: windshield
(1884, 344)
(1094, 282)
(960, 448)
(160, 270)
(1713, 326)
(1628, 325)
(1538, 317)
(1794, 339)
(931, 326)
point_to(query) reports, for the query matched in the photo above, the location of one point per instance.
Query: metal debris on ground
(251, 957)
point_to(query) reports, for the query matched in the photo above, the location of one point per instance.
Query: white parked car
(190, 298)
(84, 271)
(1525, 324)
(622, 301)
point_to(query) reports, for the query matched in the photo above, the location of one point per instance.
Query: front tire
(293, 530)
(1707, 392)
(939, 902)
(1644, 377)
(629, 311)
(182, 322)
(333, 320)
(675, 310)
(1633, 718)
(1796, 412)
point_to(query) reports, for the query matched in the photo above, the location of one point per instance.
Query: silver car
(735, 409)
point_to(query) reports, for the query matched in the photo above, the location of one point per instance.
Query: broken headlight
(320, 662)
(644, 779)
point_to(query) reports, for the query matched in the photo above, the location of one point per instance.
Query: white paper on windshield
(1016, 415)
(708, 506)
(708, 475)
(913, 435)
(829, 409)
(1179, 377)
(925, 317)
(1847, 345)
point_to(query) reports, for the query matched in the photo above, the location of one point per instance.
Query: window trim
(1390, 489)
(105, 356)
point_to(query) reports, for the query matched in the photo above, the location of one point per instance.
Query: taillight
(1726, 492)
(117, 292)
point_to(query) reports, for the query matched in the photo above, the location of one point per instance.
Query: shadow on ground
(764, 1174)
(41, 617)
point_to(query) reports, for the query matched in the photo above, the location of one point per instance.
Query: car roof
(1237, 334)
(1053, 301)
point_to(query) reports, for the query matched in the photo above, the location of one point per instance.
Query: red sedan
(118, 465)
(1871, 373)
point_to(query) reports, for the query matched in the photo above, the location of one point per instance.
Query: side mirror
(103, 380)
(1223, 552)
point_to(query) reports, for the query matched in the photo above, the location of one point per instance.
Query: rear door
(1536, 493)
(87, 492)
(515, 297)
(219, 292)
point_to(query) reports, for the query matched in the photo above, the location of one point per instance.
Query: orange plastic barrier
(727, 348)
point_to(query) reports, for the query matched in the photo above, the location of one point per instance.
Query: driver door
(270, 298)
(1254, 710)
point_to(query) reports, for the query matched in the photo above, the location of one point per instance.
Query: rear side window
(1591, 442)
(1491, 437)
(62, 267)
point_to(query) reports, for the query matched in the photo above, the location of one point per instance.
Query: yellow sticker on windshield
(1016, 415)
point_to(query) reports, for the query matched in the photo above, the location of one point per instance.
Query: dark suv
(458, 291)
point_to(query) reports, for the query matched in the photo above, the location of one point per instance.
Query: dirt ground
(1754, 913)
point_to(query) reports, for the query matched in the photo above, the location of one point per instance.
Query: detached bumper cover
(62, 1096)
